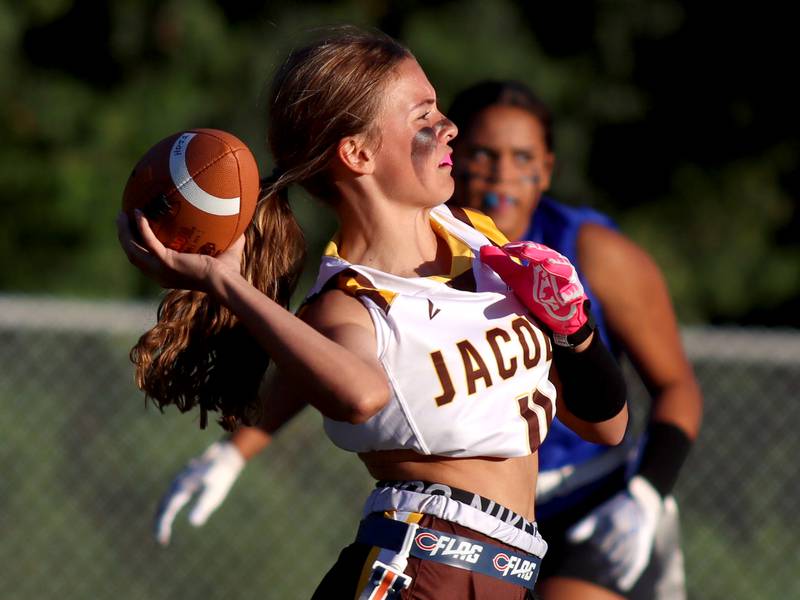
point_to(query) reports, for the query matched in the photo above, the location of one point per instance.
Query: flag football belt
(490, 507)
(449, 549)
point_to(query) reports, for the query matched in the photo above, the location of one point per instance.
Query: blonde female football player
(434, 350)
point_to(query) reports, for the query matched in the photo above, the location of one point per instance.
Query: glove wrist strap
(575, 339)
(581, 335)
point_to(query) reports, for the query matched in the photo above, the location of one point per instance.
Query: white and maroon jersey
(468, 369)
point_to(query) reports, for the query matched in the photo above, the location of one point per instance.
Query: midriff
(508, 481)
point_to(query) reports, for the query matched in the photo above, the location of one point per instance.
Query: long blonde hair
(199, 354)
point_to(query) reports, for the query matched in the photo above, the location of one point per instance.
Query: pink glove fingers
(546, 282)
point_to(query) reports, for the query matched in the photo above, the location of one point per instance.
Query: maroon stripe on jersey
(339, 282)
(460, 214)
(366, 288)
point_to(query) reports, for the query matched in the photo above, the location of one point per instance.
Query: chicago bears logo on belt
(426, 541)
(444, 545)
(513, 565)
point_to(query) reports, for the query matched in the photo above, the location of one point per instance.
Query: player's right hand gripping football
(171, 269)
(544, 281)
(210, 477)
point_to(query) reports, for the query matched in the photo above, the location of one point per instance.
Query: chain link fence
(84, 463)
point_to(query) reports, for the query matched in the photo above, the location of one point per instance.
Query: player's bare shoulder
(333, 311)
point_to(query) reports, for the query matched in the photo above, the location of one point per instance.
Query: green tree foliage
(665, 119)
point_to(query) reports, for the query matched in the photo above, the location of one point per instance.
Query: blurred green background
(678, 118)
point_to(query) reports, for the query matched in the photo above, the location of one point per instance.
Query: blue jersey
(557, 225)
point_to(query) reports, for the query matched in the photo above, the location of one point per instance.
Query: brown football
(197, 188)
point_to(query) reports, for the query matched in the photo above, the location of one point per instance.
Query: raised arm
(327, 359)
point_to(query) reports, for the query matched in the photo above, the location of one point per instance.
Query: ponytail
(199, 354)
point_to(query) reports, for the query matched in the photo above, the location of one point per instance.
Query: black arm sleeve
(591, 381)
(663, 456)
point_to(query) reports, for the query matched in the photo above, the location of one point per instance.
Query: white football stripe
(189, 189)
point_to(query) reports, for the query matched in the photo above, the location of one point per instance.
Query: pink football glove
(547, 283)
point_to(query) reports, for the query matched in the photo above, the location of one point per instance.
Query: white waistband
(389, 498)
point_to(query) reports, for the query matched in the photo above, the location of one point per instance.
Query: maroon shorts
(430, 580)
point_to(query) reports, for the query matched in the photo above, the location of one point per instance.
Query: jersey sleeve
(354, 284)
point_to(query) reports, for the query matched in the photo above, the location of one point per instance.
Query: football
(198, 189)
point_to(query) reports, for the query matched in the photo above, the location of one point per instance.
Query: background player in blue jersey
(606, 512)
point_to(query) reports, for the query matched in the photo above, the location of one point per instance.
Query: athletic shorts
(431, 580)
(662, 579)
